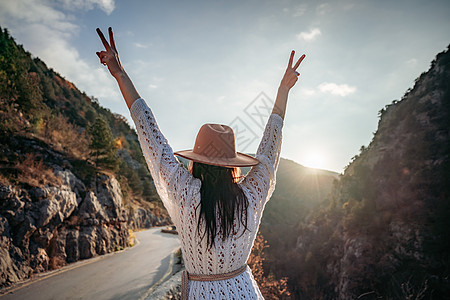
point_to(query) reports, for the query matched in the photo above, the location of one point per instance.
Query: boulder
(109, 196)
(86, 242)
(72, 247)
(70, 180)
(39, 261)
(91, 208)
(48, 209)
(59, 204)
(43, 236)
(13, 264)
(4, 227)
(24, 232)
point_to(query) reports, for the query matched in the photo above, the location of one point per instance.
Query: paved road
(125, 275)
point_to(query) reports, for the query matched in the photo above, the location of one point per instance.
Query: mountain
(383, 231)
(73, 180)
(299, 190)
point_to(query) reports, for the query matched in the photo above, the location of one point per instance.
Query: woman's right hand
(110, 57)
(289, 79)
(291, 75)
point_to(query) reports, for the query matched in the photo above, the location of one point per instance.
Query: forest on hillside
(38, 103)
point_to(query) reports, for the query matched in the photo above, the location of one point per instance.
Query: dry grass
(131, 238)
(66, 137)
(4, 180)
(34, 172)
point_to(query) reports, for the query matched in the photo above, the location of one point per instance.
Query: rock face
(383, 233)
(145, 218)
(396, 198)
(46, 227)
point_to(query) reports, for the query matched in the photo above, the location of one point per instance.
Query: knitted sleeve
(172, 180)
(260, 181)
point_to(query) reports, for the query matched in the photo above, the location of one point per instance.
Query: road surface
(125, 275)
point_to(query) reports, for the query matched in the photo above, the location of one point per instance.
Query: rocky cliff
(63, 195)
(44, 227)
(395, 242)
(383, 234)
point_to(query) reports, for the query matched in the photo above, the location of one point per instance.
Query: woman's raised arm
(110, 58)
(261, 178)
(289, 79)
(167, 172)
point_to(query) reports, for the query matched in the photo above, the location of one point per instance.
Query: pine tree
(16, 84)
(102, 145)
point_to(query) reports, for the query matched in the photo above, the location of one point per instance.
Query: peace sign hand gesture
(291, 75)
(110, 57)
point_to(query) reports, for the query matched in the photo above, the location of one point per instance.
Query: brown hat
(216, 145)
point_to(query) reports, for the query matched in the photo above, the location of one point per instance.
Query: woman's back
(180, 193)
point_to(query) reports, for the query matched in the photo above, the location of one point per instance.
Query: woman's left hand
(110, 57)
(291, 75)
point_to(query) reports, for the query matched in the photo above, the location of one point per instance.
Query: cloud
(46, 31)
(106, 5)
(139, 45)
(13, 13)
(309, 36)
(411, 62)
(336, 89)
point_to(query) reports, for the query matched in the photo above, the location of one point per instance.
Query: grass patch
(34, 172)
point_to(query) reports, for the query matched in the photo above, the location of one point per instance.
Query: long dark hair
(222, 200)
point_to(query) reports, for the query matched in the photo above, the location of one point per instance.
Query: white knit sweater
(180, 193)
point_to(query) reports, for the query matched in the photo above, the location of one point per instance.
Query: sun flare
(314, 160)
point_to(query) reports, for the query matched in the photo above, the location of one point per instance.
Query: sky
(197, 62)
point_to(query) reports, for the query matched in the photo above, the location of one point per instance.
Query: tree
(102, 145)
(16, 83)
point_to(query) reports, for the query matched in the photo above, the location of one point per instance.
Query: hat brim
(241, 159)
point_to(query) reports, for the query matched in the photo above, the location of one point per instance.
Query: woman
(217, 214)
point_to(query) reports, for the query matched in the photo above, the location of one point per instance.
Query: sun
(314, 160)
